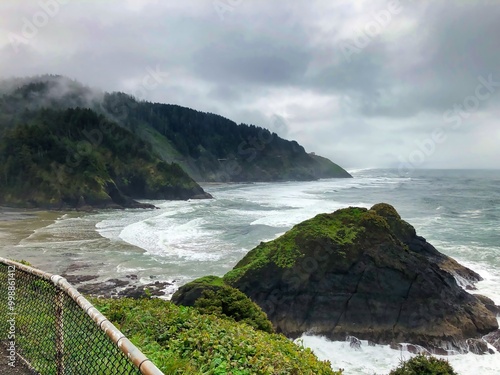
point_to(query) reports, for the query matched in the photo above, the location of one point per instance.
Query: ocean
(458, 211)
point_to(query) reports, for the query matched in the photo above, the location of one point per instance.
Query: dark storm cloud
(284, 65)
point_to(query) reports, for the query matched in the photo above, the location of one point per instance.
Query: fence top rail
(145, 366)
(28, 269)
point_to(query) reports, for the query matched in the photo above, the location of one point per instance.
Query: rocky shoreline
(127, 287)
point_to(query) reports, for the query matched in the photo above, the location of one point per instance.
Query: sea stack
(363, 273)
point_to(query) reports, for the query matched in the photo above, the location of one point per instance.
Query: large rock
(363, 273)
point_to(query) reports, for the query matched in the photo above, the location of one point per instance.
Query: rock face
(363, 273)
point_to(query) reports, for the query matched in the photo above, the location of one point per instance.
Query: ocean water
(457, 211)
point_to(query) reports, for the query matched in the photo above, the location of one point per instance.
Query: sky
(402, 84)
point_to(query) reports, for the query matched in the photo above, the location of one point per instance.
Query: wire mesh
(51, 331)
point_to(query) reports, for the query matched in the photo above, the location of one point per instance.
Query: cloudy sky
(366, 83)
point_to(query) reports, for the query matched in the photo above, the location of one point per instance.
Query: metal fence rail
(48, 324)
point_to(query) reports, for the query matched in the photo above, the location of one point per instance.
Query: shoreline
(18, 224)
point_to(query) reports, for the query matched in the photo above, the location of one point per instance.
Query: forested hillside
(48, 160)
(207, 146)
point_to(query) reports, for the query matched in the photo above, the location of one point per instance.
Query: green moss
(385, 210)
(341, 227)
(399, 228)
(180, 340)
(208, 281)
(374, 222)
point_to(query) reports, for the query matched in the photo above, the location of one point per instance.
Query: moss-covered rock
(362, 273)
(288, 250)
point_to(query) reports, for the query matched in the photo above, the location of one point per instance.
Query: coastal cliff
(48, 162)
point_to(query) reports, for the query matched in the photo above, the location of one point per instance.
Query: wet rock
(489, 303)
(477, 346)
(115, 288)
(354, 342)
(363, 273)
(493, 338)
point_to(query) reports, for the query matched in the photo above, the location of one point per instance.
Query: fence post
(59, 331)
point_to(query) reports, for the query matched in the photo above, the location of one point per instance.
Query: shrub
(424, 365)
(227, 301)
(180, 340)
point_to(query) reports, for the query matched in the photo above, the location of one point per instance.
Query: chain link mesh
(52, 333)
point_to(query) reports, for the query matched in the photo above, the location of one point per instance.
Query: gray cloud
(283, 66)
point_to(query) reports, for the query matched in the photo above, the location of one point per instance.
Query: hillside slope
(208, 147)
(48, 161)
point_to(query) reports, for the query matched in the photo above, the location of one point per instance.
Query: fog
(367, 83)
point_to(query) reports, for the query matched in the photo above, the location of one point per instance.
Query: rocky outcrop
(363, 273)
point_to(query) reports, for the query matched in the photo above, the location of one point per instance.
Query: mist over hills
(53, 121)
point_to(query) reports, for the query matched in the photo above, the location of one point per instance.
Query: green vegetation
(217, 149)
(424, 365)
(180, 340)
(206, 281)
(210, 295)
(341, 227)
(75, 157)
(207, 146)
(87, 349)
(22, 261)
(229, 302)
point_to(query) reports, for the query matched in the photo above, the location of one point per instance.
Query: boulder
(489, 303)
(363, 273)
(493, 338)
(478, 346)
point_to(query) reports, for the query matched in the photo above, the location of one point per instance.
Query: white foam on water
(491, 280)
(381, 359)
(121, 269)
(111, 224)
(288, 218)
(171, 237)
(189, 241)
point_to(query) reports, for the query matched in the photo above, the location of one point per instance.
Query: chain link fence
(47, 324)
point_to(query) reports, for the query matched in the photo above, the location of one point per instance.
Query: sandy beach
(18, 224)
